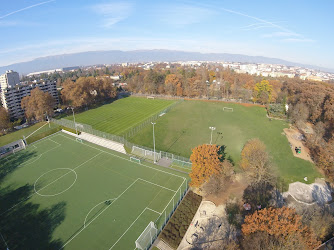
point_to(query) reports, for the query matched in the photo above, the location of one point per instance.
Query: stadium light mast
(212, 129)
(75, 125)
(153, 123)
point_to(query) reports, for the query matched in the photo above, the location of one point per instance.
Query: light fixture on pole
(75, 125)
(212, 129)
(153, 123)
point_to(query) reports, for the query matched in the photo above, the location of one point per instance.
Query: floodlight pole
(153, 123)
(212, 129)
(75, 125)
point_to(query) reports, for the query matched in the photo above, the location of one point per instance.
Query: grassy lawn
(59, 193)
(14, 136)
(121, 115)
(187, 126)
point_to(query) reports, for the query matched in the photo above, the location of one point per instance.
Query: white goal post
(134, 159)
(78, 139)
(150, 97)
(228, 109)
(145, 240)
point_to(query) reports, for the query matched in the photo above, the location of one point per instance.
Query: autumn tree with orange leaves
(207, 160)
(282, 224)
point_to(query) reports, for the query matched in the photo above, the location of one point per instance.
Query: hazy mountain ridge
(117, 56)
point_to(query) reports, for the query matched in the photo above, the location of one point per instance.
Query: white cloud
(302, 40)
(282, 34)
(181, 15)
(112, 13)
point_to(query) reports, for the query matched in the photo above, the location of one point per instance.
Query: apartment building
(13, 92)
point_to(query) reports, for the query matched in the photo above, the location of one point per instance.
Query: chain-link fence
(133, 131)
(88, 129)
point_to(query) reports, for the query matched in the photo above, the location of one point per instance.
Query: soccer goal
(134, 159)
(78, 139)
(228, 109)
(150, 97)
(145, 240)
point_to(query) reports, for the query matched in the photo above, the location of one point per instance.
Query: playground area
(296, 143)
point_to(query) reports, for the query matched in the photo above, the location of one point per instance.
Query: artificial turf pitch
(121, 115)
(60, 193)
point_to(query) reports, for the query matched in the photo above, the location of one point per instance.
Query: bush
(276, 110)
(177, 226)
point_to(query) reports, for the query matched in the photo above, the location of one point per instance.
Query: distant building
(12, 93)
(10, 78)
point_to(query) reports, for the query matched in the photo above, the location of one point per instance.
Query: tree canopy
(207, 160)
(37, 105)
(281, 223)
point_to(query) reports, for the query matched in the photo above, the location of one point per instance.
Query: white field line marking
(68, 173)
(153, 210)
(71, 170)
(128, 228)
(48, 184)
(36, 130)
(158, 194)
(171, 199)
(126, 159)
(24, 164)
(96, 206)
(158, 185)
(97, 215)
(54, 141)
(33, 145)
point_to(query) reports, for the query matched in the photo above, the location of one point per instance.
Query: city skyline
(295, 31)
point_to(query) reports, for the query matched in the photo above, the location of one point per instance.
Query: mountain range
(117, 56)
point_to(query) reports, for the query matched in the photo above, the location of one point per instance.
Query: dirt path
(295, 139)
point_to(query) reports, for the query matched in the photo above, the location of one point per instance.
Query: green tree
(263, 92)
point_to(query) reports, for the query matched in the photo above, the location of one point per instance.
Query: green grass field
(121, 115)
(187, 126)
(17, 135)
(53, 195)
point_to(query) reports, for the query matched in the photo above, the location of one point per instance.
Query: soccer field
(187, 126)
(121, 115)
(60, 193)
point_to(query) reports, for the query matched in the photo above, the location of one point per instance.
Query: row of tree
(87, 91)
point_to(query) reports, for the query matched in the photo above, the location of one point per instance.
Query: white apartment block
(10, 78)
(12, 94)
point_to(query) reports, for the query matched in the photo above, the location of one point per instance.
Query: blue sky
(299, 31)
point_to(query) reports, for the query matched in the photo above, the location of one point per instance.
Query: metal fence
(133, 131)
(88, 129)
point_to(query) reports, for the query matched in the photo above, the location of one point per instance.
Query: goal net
(145, 240)
(148, 154)
(228, 109)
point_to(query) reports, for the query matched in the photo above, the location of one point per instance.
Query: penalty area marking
(112, 200)
(71, 171)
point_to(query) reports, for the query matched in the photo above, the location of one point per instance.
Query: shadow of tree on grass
(23, 225)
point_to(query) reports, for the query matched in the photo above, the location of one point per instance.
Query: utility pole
(153, 123)
(212, 129)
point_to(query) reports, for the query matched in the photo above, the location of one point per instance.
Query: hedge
(177, 226)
